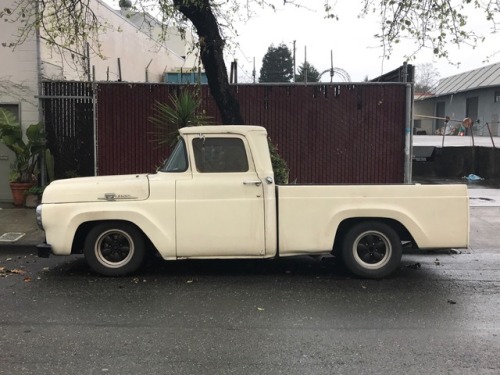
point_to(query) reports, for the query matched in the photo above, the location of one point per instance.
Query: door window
(220, 155)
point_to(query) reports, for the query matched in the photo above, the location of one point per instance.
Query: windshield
(177, 162)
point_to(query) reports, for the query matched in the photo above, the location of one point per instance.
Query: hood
(95, 189)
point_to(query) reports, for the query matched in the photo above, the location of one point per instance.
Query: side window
(177, 162)
(215, 155)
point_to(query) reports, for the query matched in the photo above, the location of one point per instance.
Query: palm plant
(183, 110)
(27, 151)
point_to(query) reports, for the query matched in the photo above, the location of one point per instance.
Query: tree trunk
(199, 12)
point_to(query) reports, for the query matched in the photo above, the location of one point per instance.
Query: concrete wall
(121, 39)
(19, 86)
(457, 162)
(171, 37)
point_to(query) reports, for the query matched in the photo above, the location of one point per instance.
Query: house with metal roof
(474, 95)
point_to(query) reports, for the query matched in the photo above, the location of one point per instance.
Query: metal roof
(486, 76)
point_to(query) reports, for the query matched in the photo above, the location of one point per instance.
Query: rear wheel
(114, 248)
(372, 250)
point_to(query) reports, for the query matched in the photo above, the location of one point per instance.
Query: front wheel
(372, 250)
(114, 248)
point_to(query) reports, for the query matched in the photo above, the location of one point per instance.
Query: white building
(127, 53)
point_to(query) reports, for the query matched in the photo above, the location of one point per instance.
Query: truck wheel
(114, 248)
(372, 250)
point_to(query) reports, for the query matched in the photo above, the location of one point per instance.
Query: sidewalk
(18, 228)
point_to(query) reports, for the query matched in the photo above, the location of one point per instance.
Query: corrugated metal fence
(328, 133)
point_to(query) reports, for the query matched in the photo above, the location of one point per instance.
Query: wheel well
(345, 225)
(84, 229)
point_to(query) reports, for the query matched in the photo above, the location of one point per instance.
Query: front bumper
(44, 250)
(38, 213)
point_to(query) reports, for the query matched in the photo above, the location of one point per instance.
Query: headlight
(39, 216)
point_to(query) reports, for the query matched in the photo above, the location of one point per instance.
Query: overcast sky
(351, 40)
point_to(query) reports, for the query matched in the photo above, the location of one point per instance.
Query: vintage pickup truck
(215, 197)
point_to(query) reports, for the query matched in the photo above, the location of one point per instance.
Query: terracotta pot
(18, 189)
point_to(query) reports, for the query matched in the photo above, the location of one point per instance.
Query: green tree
(277, 65)
(308, 71)
(27, 148)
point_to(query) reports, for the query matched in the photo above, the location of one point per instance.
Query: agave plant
(183, 110)
(27, 150)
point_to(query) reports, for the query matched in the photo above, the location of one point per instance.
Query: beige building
(127, 52)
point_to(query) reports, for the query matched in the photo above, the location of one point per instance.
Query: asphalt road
(439, 314)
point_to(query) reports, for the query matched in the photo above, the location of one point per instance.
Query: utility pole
(253, 71)
(305, 64)
(294, 61)
(331, 66)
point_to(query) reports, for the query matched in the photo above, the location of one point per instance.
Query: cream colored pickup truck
(215, 197)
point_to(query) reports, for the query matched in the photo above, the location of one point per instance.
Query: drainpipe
(43, 172)
(147, 70)
(88, 61)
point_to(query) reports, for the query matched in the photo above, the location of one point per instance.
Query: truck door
(220, 212)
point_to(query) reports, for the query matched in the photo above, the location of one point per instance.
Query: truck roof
(237, 129)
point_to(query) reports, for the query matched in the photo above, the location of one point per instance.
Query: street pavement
(438, 314)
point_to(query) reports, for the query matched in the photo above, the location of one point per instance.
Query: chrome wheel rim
(114, 248)
(372, 249)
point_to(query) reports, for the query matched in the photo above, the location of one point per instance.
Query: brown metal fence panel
(328, 133)
(125, 139)
(342, 133)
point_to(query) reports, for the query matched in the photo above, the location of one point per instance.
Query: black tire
(114, 248)
(372, 250)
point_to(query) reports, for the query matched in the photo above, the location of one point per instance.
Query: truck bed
(436, 216)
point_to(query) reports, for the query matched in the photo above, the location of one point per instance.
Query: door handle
(256, 183)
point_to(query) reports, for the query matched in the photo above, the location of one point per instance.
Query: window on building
(12, 108)
(497, 96)
(472, 108)
(215, 155)
(440, 114)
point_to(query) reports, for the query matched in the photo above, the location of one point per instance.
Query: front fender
(156, 221)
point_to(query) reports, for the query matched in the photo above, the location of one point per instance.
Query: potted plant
(26, 150)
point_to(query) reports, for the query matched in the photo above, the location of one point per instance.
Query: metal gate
(69, 125)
